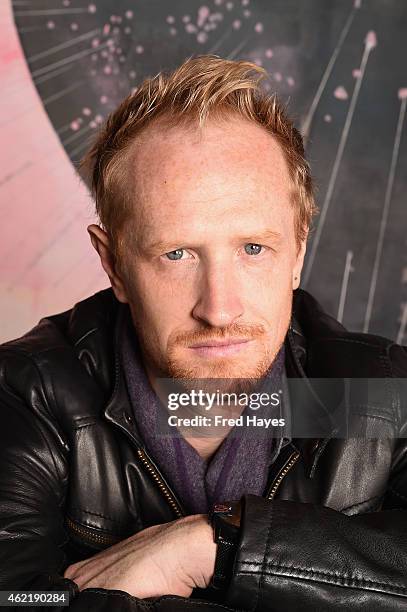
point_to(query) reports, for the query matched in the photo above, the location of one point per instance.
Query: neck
(209, 437)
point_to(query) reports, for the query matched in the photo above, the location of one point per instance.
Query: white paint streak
(345, 281)
(237, 49)
(403, 323)
(306, 126)
(385, 214)
(337, 163)
(69, 43)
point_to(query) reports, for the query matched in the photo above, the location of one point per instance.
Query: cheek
(158, 305)
(268, 291)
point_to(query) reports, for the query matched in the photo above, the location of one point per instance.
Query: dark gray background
(85, 56)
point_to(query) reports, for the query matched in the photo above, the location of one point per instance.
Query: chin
(223, 374)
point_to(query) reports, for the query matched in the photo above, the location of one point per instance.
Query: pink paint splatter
(75, 125)
(186, 18)
(278, 76)
(356, 73)
(357, 4)
(371, 40)
(86, 111)
(103, 100)
(245, 2)
(290, 81)
(129, 14)
(202, 37)
(340, 93)
(139, 49)
(99, 118)
(74, 27)
(106, 29)
(95, 42)
(269, 53)
(92, 8)
(258, 61)
(247, 13)
(402, 93)
(170, 19)
(107, 70)
(173, 31)
(328, 118)
(236, 24)
(191, 28)
(259, 28)
(203, 14)
(50, 25)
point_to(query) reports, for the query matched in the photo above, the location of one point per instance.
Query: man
(205, 201)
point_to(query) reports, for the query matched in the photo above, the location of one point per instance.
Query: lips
(223, 342)
(220, 348)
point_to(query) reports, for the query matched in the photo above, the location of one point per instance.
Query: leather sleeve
(33, 478)
(303, 556)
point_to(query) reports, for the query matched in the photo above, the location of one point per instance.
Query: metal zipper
(291, 461)
(88, 534)
(160, 482)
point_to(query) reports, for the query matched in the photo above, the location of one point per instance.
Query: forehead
(231, 169)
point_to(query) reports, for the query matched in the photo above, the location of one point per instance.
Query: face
(211, 256)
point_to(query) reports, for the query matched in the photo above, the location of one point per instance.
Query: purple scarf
(240, 464)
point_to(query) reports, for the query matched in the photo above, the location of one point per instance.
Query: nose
(219, 303)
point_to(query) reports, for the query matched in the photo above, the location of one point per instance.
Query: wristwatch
(225, 521)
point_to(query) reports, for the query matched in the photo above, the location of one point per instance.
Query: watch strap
(223, 564)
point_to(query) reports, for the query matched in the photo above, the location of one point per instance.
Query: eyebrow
(261, 236)
(159, 246)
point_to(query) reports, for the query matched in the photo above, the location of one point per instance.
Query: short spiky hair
(202, 87)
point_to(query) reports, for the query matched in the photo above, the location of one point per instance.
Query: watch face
(228, 512)
(224, 508)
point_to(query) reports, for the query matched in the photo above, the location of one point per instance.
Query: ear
(101, 244)
(299, 263)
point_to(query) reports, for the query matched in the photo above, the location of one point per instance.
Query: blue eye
(253, 249)
(174, 255)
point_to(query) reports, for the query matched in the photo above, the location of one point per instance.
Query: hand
(169, 559)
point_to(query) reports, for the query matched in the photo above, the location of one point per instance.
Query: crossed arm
(173, 558)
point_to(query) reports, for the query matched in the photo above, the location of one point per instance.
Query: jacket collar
(307, 315)
(118, 409)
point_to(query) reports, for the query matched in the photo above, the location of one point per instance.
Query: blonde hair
(201, 87)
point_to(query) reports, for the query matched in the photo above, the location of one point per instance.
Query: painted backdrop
(339, 64)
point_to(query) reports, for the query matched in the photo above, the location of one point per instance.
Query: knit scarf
(239, 466)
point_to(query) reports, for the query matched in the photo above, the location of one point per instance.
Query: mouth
(220, 348)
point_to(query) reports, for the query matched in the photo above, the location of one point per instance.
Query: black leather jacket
(75, 478)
